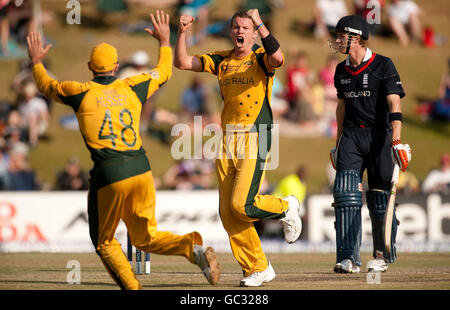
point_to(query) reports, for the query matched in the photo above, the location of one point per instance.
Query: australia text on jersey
(236, 80)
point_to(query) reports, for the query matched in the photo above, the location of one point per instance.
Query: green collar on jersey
(104, 79)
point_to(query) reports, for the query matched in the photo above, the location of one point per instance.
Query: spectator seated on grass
(279, 104)
(404, 20)
(438, 110)
(194, 98)
(190, 174)
(441, 107)
(326, 77)
(438, 180)
(15, 22)
(14, 130)
(72, 177)
(298, 86)
(326, 15)
(34, 113)
(21, 177)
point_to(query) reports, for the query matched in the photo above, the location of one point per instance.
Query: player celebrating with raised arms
(121, 184)
(369, 122)
(245, 75)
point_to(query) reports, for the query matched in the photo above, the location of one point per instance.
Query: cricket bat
(388, 217)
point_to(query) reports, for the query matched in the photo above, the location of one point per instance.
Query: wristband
(395, 142)
(259, 26)
(395, 117)
(270, 44)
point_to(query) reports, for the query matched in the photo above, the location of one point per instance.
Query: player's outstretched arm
(36, 51)
(161, 31)
(183, 60)
(271, 45)
(161, 28)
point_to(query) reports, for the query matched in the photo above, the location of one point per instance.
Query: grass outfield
(38, 271)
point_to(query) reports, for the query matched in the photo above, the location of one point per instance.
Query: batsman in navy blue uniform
(369, 121)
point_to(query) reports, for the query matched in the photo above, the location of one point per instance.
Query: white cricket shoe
(205, 259)
(258, 278)
(292, 223)
(378, 264)
(346, 266)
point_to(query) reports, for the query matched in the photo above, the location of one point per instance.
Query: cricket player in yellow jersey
(245, 75)
(121, 184)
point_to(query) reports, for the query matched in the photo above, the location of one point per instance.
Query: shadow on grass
(440, 128)
(61, 283)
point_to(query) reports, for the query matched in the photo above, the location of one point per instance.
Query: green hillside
(420, 69)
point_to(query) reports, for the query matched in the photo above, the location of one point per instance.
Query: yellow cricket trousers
(240, 168)
(133, 201)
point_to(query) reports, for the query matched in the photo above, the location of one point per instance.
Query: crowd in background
(303, 99)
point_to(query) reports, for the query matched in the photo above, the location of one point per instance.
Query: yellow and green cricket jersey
(108, 112)
(245, 85)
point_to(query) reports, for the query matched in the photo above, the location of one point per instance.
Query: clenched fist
(185, 22)
(254, 15)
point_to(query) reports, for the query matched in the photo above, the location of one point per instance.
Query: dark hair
(241, 14)
(103, 73)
